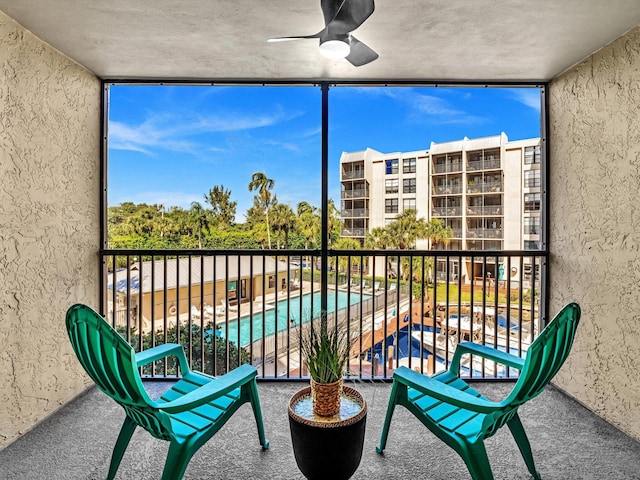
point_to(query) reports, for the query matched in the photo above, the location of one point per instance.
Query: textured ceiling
(465, 40)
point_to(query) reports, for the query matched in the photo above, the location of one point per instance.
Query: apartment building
(488, 190)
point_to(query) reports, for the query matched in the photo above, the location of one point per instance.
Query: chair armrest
(444, 392)
(489, 353)
(162, 351)
(217, 387)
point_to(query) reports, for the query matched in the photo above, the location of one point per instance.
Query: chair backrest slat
(546, 355)
(107, 358)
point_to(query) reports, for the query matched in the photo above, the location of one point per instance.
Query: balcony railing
(356, 193)
(447, 189)
(400, 308)
(484, 232)
(448, 168)
(486, 210)
(484, 187)
(352, 174)
(354, 232)
(486, 164)
(447, 211)
(355, 213)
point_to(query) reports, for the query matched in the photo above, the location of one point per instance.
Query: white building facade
(488, 190)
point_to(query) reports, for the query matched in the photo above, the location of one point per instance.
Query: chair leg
(257, 412)
(477, 461)
(177, 460)
(390, 409)
(517, 430)
(128, 427)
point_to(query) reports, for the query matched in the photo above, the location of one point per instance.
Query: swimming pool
(286, 315)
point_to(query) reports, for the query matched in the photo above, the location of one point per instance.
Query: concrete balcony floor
(568, 441)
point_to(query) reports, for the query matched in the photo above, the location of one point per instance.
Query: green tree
(200, 218)
(377, 239)
(283, 219)
(343, 261)
(227, 354)
(438, 232)
(406, 229)
(223, 210)
(305, 207)
(263, 185)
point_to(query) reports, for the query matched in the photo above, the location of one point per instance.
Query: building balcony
(354, 232)
(476, 165)
(484, 233)
(355, 213)
(447, 211)
(352, 174)
(485, 211)
(447, 168)
(356, 193)
(485, 187)
(447, 189)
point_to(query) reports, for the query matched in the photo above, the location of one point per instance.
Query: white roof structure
(227, 268)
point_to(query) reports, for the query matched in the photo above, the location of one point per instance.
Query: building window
(532, 225)
(391, 185)
(232, 289)
(409, 185)
(531, 202)
(391, 205)
(391, 166)
(531, 245)
(532, 155)
(272, 281)
(409, 203)
(409, 165)
(532, 178)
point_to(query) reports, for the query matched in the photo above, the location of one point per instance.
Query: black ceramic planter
(328, 448)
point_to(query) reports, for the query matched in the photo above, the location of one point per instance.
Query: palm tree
(343, 261)
(200, 217)
(264, 185)
(438, 232)
(283, 219)
(304, 207)
(406, 229)
(308, 224)
(334, 221)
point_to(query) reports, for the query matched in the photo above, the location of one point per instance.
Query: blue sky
(171, 144)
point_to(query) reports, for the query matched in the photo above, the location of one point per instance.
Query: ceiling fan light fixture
(335, 46)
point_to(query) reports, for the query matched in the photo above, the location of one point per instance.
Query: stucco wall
(594, 112)
(49, 225)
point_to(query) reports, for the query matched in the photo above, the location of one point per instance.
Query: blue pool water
(286, 316)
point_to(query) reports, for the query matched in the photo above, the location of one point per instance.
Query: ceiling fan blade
(360, 54)
(344, 16)
(287, 39)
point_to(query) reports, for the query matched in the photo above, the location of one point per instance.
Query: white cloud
(171, 131)
(529, 97)
(435, 109)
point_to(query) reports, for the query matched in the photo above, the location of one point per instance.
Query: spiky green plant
(326, 353)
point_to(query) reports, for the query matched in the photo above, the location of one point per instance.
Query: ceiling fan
(341, 17)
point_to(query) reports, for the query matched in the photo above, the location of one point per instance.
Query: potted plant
(326, 354)
(327, 419)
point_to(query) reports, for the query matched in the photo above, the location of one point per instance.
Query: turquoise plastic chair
(187, 415)
(462, 417)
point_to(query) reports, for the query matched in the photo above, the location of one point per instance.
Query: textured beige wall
(49, 225)
(594, 112)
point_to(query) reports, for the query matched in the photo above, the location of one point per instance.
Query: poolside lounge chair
(461, 417)
(195, 313)
(224, 306)
(187, 415)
